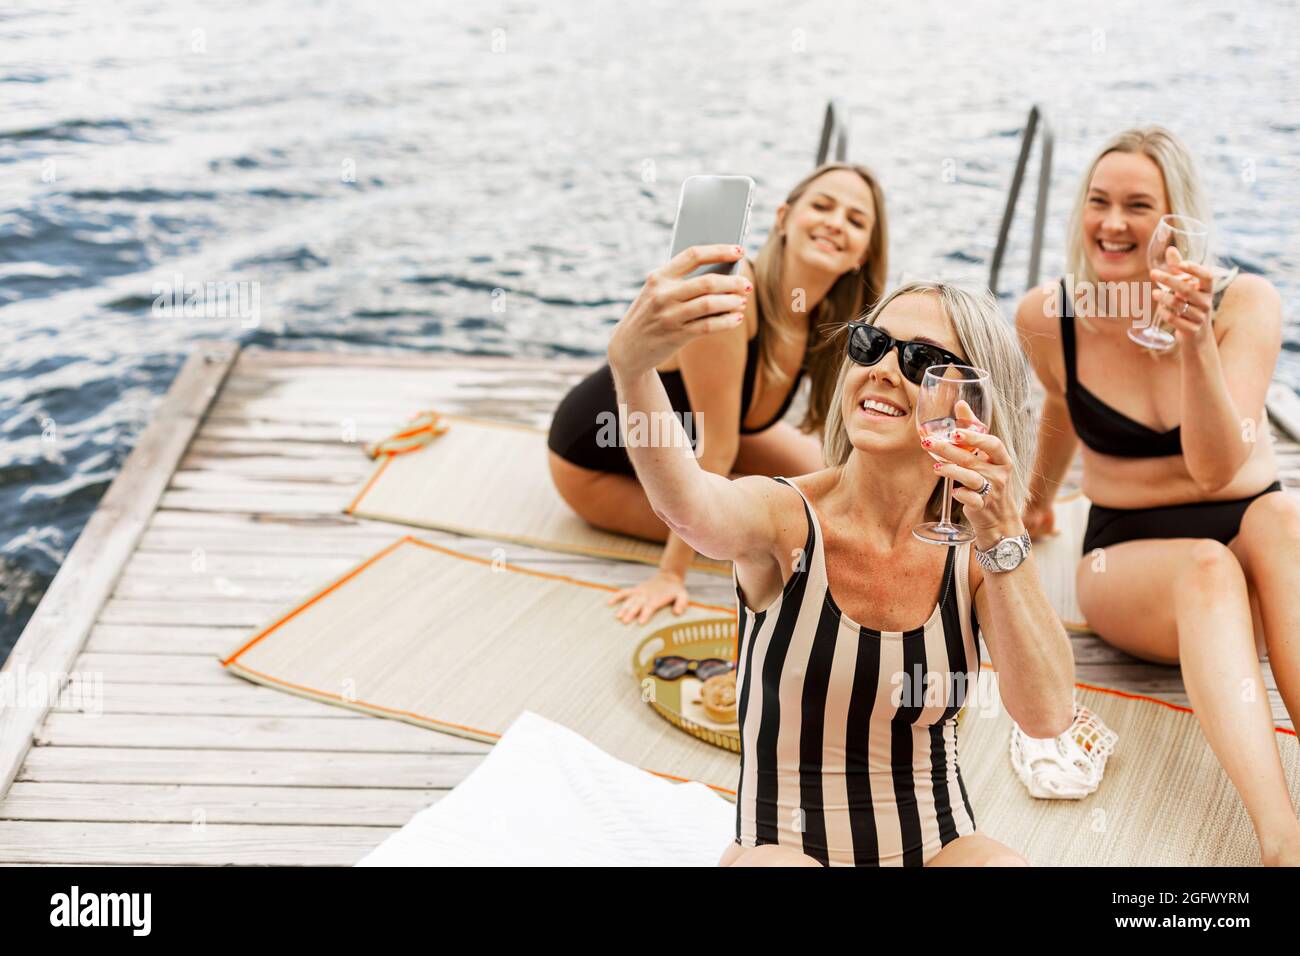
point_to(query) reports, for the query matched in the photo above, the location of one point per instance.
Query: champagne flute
(937, 416)
(1191, 238)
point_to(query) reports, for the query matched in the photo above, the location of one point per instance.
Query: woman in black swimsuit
(824, 264)
(1192, 549)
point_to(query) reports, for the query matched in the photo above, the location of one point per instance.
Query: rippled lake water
(380, 169)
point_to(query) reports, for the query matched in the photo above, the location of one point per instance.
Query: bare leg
(766, 855)
(1268, 547)
(611, 502)
(1184, 600)
(975, 849)
(780, 450)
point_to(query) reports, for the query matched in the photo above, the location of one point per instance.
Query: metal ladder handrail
(835, 127)
(1036, 117)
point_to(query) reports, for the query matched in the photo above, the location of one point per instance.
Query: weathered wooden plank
(334, 521)
(326, 483)
(23, 841)
(205, 805)
(298, 503)
(331, 471)
(1284, 409)
(208, 587)
(192, 543)
(58, 628)
(204, 732)
(250, 768)
(154, 639)
(230, 448)
(208, 613)
(236, 699)
(270, 768)
(153, 668)
(238, 567)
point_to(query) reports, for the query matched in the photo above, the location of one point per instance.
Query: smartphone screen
(712, 209)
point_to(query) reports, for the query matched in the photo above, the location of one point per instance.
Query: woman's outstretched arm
(717, 517)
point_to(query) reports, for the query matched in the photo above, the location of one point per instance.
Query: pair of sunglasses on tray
(868, 345)
(673, 667)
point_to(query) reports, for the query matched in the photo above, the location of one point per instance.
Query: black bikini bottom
(1219, 520)
(584, 430)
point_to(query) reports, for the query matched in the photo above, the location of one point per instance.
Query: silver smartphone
(713, 209)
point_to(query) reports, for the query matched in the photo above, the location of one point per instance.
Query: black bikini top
(751, 375)
(1099, 426)
(752, 358)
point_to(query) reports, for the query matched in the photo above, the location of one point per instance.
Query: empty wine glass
(1191, 238)
(937, 417)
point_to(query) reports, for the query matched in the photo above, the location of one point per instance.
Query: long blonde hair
(987, 342)
(1184, 194)
(851, 295)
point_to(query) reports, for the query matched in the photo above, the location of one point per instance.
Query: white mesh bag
(1068, 767)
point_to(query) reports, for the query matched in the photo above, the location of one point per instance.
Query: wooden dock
(226, 512)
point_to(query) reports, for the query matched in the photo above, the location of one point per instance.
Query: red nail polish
(926, 443)
(937, 465)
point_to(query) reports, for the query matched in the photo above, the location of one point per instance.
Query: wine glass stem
(945, 519)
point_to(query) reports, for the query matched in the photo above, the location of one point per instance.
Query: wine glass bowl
(938, 417)
(1191, 238)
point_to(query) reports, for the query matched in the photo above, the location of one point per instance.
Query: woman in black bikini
(823, 264)
(1191, 548)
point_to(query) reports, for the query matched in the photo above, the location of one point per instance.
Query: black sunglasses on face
(868, 345)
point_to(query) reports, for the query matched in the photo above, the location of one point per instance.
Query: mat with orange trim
(449, 641)
(1164, 801)
(486, 479)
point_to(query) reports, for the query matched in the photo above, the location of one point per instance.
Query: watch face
(1007, 555)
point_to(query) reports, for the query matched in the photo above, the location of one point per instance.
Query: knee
(1004, 857)
(570, 481)
(1211, 568)
(1274, 522)
(770, 854)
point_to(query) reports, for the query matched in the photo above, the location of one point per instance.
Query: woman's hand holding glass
(971, 459)
(1185, 298)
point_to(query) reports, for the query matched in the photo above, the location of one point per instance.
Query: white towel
(546, 796)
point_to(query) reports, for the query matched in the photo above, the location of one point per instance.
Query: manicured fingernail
(937, 466)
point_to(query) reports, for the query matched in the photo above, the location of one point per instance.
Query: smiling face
(1126, 198)
(829, 226)
(878, 400)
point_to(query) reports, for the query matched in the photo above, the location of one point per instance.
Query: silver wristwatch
(1006, 555)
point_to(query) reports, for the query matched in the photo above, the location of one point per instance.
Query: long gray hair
(987, 342)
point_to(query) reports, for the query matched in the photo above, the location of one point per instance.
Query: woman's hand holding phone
(671, 309)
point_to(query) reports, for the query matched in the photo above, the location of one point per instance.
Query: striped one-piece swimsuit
(848, 734)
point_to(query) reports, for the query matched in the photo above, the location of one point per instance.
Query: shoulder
(1038, 326)
(1039, 311)
(781, 509)
(1253, 294)
(778, 500)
